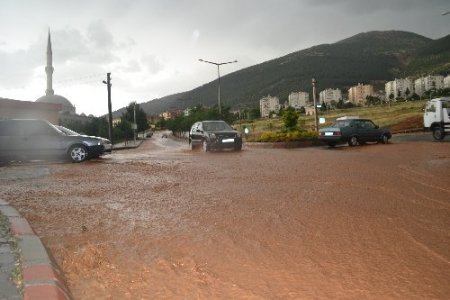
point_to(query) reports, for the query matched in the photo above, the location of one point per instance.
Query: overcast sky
(152, 47)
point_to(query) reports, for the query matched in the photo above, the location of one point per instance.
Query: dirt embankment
(411, 124)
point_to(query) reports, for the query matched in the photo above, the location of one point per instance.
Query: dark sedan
(38, 139)
(354, 131)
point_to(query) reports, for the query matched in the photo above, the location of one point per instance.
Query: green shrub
(289, 136)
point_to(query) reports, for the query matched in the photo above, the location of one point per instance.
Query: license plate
(228, 141)
(328, 133)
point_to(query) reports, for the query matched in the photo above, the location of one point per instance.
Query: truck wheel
(438, 133)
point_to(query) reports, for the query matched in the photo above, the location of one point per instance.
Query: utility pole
(316, 119)
(108, 86)
(134, 124)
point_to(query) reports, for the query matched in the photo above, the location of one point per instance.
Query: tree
(141, 116)
(371, 100)
(290, 118)
(407, 92)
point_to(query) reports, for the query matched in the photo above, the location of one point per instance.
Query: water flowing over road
(163, 222)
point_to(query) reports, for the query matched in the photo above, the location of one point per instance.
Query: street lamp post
(218, 73)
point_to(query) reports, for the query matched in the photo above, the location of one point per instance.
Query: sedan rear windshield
(341, 123)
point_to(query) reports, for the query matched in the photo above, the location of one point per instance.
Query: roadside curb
(286, 145)
(42, 278)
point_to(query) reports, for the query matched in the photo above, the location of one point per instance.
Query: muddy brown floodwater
(162, 222)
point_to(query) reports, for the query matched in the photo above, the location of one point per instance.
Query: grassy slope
(399, 117)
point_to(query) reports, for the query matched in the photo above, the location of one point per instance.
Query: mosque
(54, 108)
(50, 97)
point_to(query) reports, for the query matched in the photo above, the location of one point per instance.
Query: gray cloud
(159, 42)
(152, 63)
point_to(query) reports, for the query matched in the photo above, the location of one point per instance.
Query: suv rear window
(216, 126)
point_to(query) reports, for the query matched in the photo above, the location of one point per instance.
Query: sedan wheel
(78, 153)
(353, 141)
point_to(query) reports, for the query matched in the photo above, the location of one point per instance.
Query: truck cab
(437, 117)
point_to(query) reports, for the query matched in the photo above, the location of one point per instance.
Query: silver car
(39, 139)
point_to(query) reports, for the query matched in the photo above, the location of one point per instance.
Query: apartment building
(399, 88)
(330, 95)
(430, 82)
(298, 100)
(447, 82)
(268, 104)
(357, 94)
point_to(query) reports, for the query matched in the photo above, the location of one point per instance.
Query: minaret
(49, 68)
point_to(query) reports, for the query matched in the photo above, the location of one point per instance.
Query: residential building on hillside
(168, 115)
(310, 111)
(357, 94)
(330, 96)
(298, 100)
(447, 82)
(430, 82)
(399, 88)
(268, 104)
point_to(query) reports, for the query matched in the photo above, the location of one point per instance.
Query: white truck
(437, 117)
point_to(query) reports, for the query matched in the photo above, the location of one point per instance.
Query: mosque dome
(67, 107)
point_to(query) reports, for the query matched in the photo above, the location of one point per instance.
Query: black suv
(38, 139)
(214, 135)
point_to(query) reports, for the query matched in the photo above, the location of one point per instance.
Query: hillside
(372, 57)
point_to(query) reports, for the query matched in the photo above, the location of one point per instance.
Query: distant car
(214, 135)
(107, 143)
(354, 131)
(39, 139)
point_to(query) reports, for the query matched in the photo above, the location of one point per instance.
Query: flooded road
(163, 222)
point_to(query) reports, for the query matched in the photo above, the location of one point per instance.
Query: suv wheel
(438, 133)
(353, 141)
(205, 146)
(78, 153)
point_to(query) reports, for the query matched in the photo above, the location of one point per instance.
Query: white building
(269, 104)
(330, 95)
(298, 100)
(447, 82)
(399, 88)
(423, 84)
(357, 94)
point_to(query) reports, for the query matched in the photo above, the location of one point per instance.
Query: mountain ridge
(367, 57)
